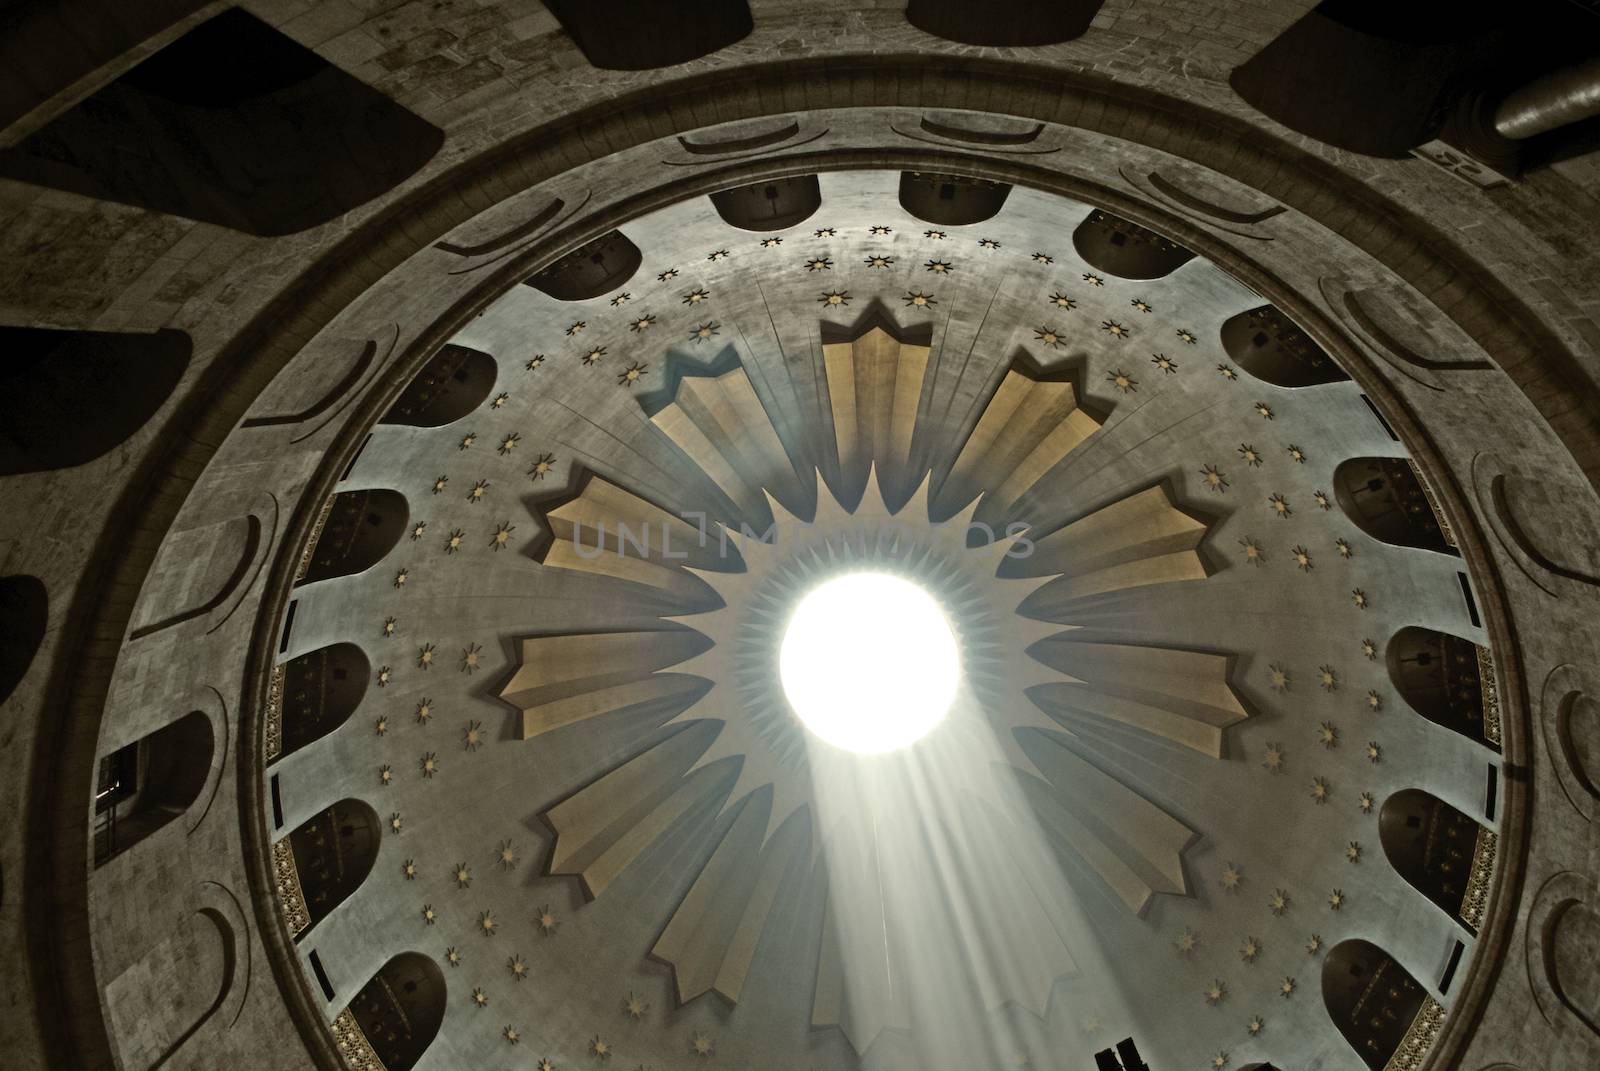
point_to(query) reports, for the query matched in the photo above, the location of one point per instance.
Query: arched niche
(951, 200)
(333, 852)
(1368, 78)
(769, 206)
(1122, 248)
(1433, 846)
(1271, 347)
(1371, 998)
(234, 123)
(1441, 677)
(1013, 23)
(594, 268)
(67, 397)
(142, 786)
(640, 35)
(321, 689)
(361, 528)
(24, 614)
(397, 1013)
(453, 383)
(1388, 501)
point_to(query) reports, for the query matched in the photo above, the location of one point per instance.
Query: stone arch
(68, 397)
(594, 268)
(640, 35)
(360, 530)
(234, 123)
(24, 615)
(1371, 998)
(1433, 846)
(1123, 248)
(1441, 677)
(397, 1013)
(1015, 23)
(332, 853)
(951, 200)
(453, 383)
(1387, 499)
(321, 689)
(146, 784)
(769, 206)
(1272, 347)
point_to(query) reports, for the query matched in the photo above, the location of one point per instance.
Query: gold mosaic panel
(273, 733)
(1491, 696)
(1433, 504)
(1477, 898)
(353, 1044)
(1419, 1039)
(287, 881)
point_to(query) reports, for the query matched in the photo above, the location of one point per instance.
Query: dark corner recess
(1270, 346)
(142, 786)
(1013, 23)
(453, 383)
(769, 206)
(1384, 80)
(1365, 78)
(1472, 604)
(1123, 248)
(1491, 792)
(640, 35)
(68, 397)
(235, 124)
(277, 803)
(951, 200)
(594, 268)
(1450, 968)
(321, 974)
(24, 616)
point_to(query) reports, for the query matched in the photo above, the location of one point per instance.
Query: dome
(482, 450)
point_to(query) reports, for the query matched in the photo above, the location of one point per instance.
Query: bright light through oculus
(869, 662)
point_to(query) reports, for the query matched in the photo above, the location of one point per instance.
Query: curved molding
(1555, 899)
(507, 242)
(216, 708)
(954, 141)
(953, 132)
(248, 555)
(744, 147)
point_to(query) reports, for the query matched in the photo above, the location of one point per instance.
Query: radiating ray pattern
(725, 595)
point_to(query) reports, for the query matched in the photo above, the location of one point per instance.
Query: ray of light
(948, 917)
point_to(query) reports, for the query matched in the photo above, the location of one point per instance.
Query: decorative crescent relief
(1562, 944)
(1569, 714)
(1509, 501)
